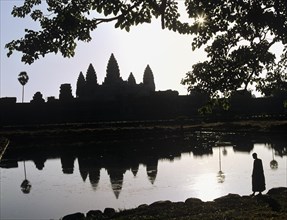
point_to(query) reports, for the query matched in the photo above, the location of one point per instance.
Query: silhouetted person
(258, 179)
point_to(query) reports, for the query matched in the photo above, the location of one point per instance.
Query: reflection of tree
(279, 146)
(273, 162)
(243, 145)
(220, 174)
(40, 162)
(224, 151)
(25, 185)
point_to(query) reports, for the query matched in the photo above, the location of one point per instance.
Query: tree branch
(102, 20)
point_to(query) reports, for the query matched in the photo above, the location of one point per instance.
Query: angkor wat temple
(119, 100)
(113, 86)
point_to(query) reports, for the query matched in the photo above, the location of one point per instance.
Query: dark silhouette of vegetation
(25, 185)
(38, 98)
(241, 36)
(23, 79)
(238, 36)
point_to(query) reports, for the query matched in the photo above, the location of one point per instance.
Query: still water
(89, 181)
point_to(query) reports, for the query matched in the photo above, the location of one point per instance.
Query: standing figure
(258, 179)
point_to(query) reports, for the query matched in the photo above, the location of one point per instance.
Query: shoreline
(272, 205)
(107, 131)
(4, 142)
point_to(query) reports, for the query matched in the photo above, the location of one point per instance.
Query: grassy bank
(141, 128)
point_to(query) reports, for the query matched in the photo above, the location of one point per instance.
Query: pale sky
(169, 55)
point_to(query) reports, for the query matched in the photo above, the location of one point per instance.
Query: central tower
(113, 72)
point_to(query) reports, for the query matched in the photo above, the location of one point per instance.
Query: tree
(23, 79)
(81, 86)
(38, 98)
(69, 21)
(148, 79)
(238, 36)
(113, 72)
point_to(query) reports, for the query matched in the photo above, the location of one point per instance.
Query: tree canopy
(240, 39)
(239, 36)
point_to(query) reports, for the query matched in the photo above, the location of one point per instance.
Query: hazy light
(206, 187)
(201, 19)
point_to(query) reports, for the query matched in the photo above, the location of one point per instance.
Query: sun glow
(201, 19)
(206, 187)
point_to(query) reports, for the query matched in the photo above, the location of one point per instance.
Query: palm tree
(23, 79)
(25, 185)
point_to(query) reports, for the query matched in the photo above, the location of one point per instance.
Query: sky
(169, 55)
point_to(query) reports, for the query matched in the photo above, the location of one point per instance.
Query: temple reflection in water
(118, 158)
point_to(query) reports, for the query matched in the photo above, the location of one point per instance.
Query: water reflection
(220, 174)
(90, 167)
(25, 185)
(273, 162)
(67, 162)
(116, 159)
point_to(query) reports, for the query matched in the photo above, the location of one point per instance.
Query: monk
(258, 179)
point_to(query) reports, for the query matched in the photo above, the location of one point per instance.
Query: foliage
(23, 78)
(38, 98)
(239, 36)
(68, 21)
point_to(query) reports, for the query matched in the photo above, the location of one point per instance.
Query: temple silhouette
(113, 87)
(126, 100)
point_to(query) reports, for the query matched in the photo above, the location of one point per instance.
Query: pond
(199, 165)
